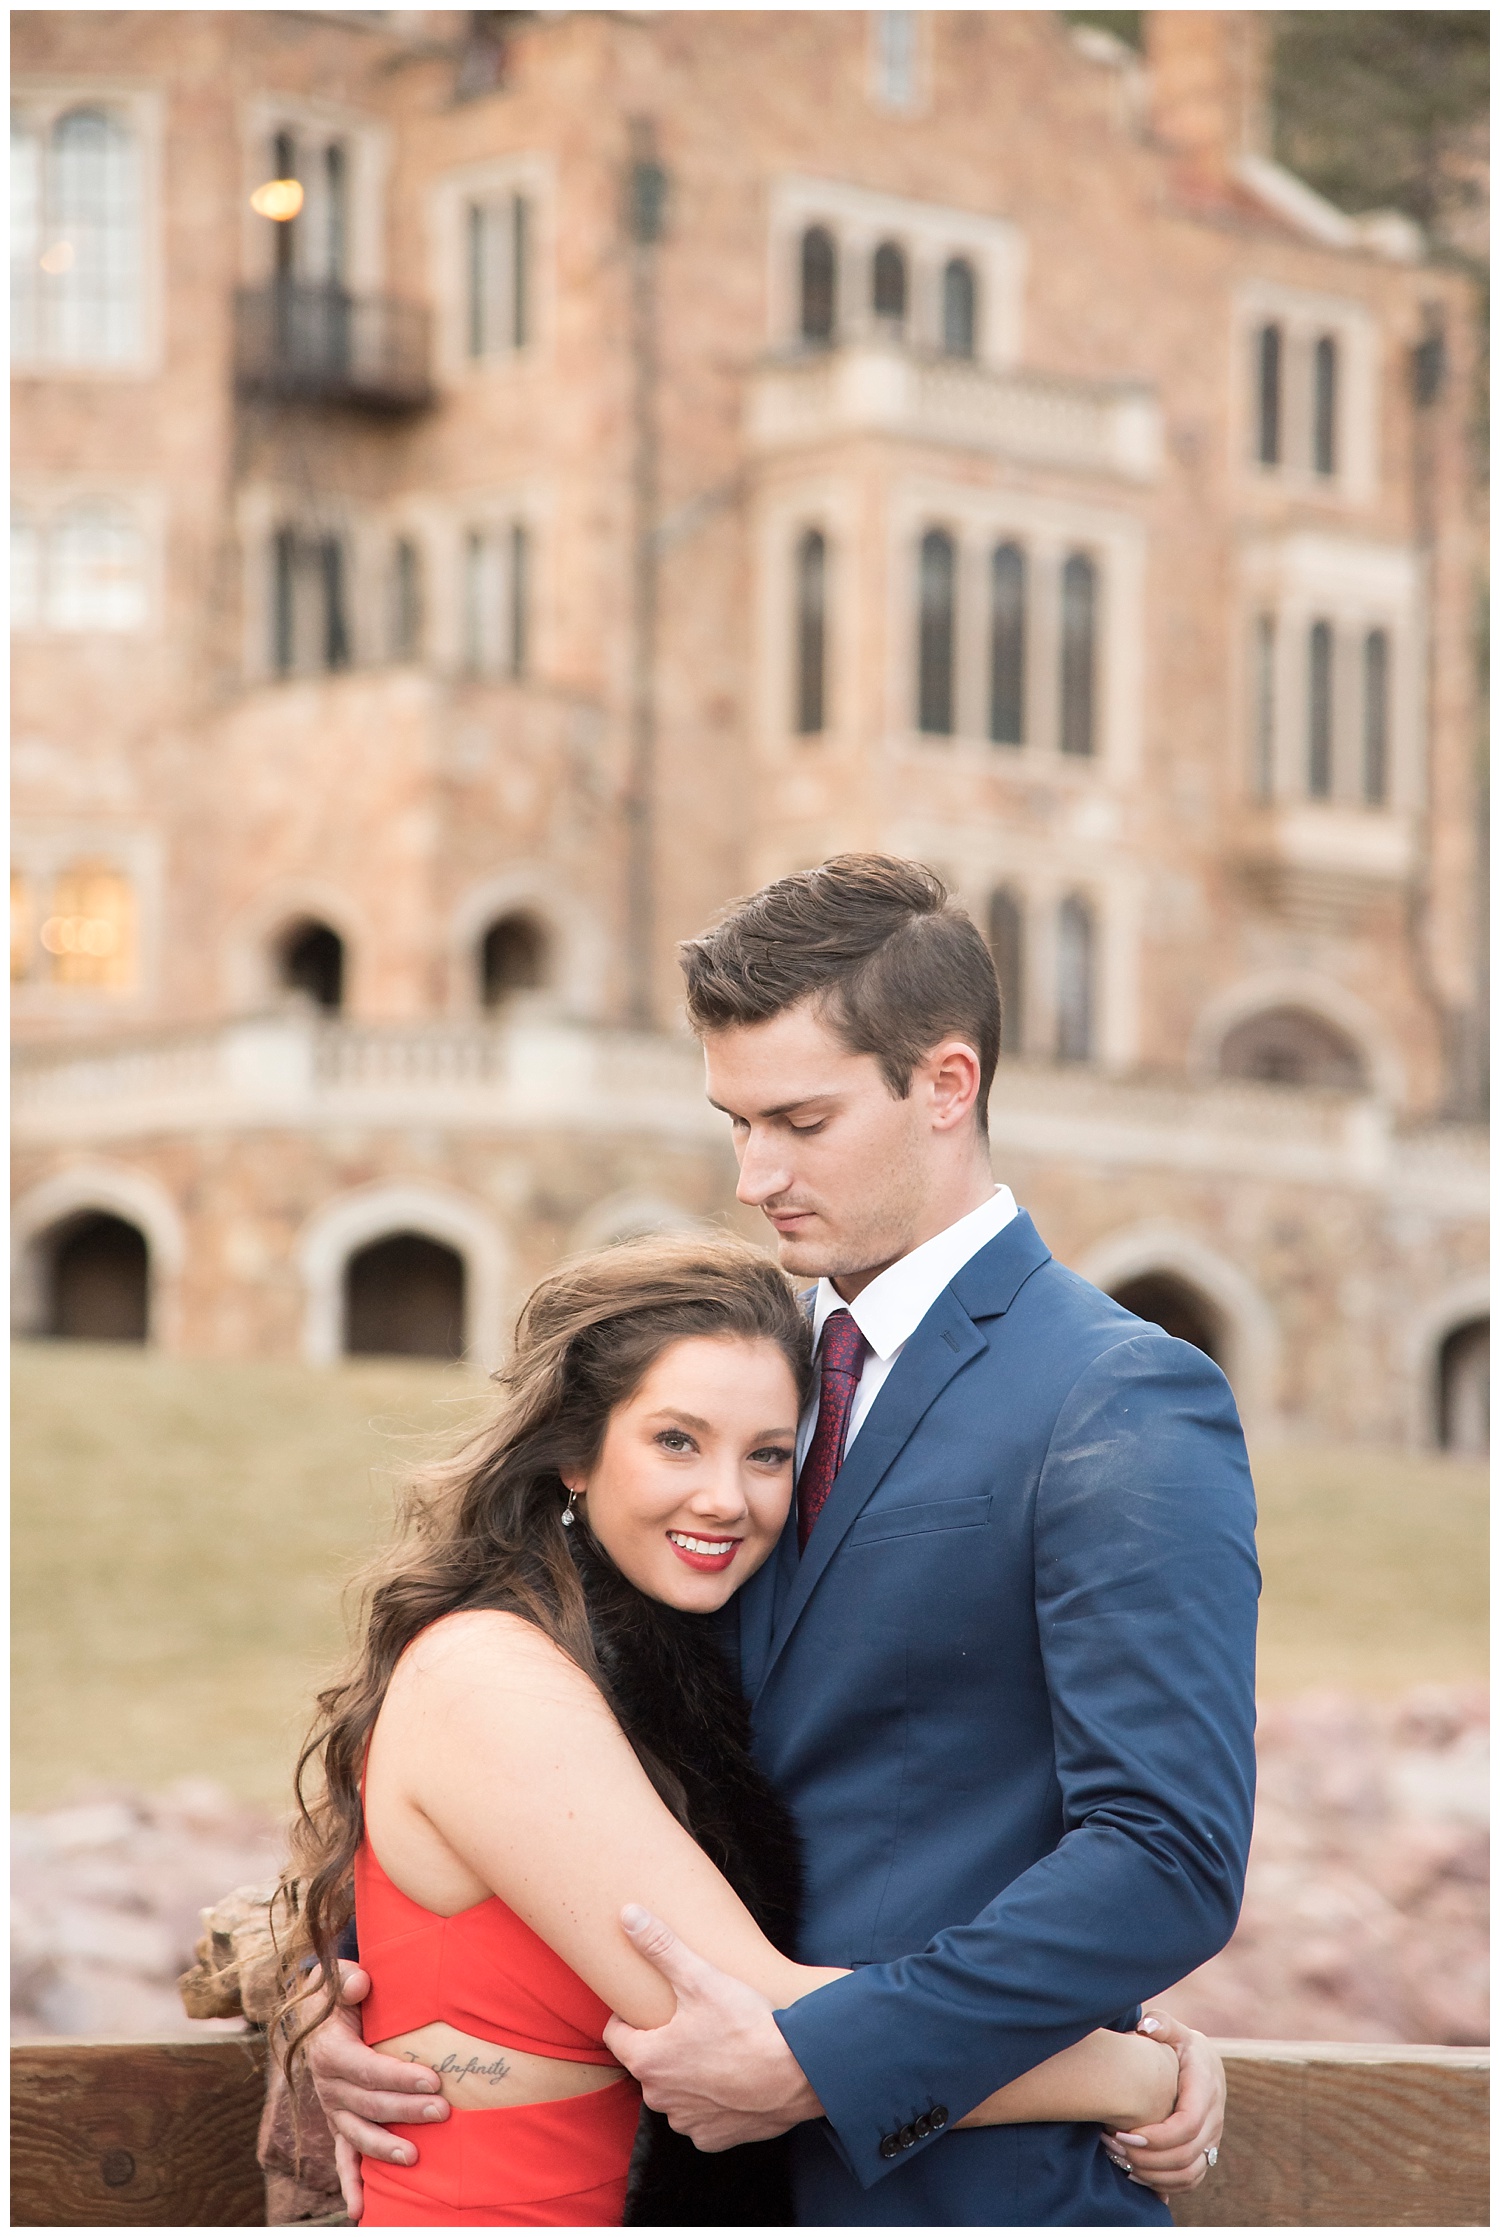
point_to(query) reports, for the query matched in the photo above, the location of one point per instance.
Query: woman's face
(694, 1478)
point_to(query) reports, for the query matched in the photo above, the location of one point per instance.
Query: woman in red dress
(537, 1729)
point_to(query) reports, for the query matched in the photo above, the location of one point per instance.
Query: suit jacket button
(907, 2138)
(938, 2117)
(889, 2146)
(922, 2125)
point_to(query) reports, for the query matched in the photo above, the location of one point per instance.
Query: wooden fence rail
(1319, 2135)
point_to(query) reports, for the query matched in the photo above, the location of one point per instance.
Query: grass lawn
(182, 1531)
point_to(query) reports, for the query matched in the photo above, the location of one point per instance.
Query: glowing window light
(280, 199)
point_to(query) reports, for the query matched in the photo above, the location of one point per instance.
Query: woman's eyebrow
(675, 1413)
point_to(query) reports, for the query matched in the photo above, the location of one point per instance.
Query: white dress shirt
(889, 1310)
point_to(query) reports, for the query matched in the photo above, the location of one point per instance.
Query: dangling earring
(568, 1515)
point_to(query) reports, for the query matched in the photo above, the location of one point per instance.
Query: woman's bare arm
(1121, 2081)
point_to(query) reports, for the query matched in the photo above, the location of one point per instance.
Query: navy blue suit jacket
(1008, 1693)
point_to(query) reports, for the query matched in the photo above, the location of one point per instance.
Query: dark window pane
(958, 308)
(1079, 599)
(1263, 715)
(520, 271)
(405, 1294)
(1325, 404)
(512, 959)
(477, 246)
(406, 601)
(1463, 1409)
(335, 616)
(819, 285)
(935, 635)
(285, 233)
(1320, 710)
(336, 172)
(1377, 717)
(1008, 645)
(1268, 395)
(1294, 1048)
(312, 963)
(1075, 981)
(1008, 947)
(889, 282)
(812, 570)
(100, 1281)
(283, 609)
(1176, 1308)
(520, 598)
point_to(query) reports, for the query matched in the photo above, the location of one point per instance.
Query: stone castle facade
(489, 490)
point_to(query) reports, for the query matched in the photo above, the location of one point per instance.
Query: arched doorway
(98, 1281)
(1463, 1394)
(1175, 1306)
(404, 1294)
(512, 959)
(1294, 1047)
(310, 961)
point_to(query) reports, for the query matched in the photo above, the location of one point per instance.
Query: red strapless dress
(556, 2166)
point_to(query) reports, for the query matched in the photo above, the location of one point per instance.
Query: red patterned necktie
(842, 1357)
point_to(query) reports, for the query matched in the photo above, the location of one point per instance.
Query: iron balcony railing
(323, 345)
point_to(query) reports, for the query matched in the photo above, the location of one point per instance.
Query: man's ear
(951, 1071)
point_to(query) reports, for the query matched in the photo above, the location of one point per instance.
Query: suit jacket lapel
(943, 1343)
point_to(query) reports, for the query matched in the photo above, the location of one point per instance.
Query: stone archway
(404, 1297)
(385, 1212)
(1196, 1285)
(97, 1252)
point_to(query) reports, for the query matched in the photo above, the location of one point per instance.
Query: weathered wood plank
(1330, 2135)
(138, 2134)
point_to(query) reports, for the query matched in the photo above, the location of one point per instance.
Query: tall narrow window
(91, 933)
(76, 241)
(520, 598)
(284, 601)
(335, 604)
(406, 600)
(27, 241)
(1075, 980)
(1008, 645)
(1263, 708)
(959, 305)
(1008, 947)
(96, 572)
(812, 633)
(896, 57)
(1325, 405)
(336, 213)
(819, 285)
(284, 234)
(498, 244)
(1377, 757)
(1079, 616)
(1320, 710)
(1268, 395)
(888, 288)
(938, 582)
(520, 271)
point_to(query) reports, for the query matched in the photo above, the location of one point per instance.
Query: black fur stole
(682, 1710)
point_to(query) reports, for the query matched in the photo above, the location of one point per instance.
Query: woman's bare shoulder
(485, 1649)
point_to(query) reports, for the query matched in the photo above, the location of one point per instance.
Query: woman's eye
(773, 1456)
(675, 1440)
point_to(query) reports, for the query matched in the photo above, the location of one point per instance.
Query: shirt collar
(893, 1306)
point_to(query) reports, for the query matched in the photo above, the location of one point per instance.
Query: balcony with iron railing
(296, 342)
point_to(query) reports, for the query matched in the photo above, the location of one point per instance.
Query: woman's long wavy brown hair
(483, 1530)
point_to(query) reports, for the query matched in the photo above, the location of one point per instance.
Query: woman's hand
(1172, 2155)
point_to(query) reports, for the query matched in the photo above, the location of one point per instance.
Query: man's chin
(802, 1254)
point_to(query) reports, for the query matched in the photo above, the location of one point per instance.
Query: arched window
(1377, 757)
(1079, 615)
(1263, 710)
(76, 239)
(406, 599)
(1268, 395)
(812, 632)
(1175, 1306)
(819, 285)
(1463, 1395)
(1325, 404)
(90, 934)
(98, 1288)
(404, 1294)
(935, 632)
(512, 959)
(1320, 710)
(960, 304)
(888, 293)
(1008, 947)
(1295, 1047)
(1008, 645)
(96, 569)
(311, 962)
(1075, 980)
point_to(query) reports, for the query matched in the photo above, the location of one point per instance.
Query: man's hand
(1172, 2155)
(720, 2069)
(359, 2088)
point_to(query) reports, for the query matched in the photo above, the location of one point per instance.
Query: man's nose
(763, 1173)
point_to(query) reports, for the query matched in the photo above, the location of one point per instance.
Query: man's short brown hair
(882, 947)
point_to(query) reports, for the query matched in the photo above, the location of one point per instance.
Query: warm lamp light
(59, 258)
(280, 199)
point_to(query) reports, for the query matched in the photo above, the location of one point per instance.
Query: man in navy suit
(1003, 1670)
(1002, 1664)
